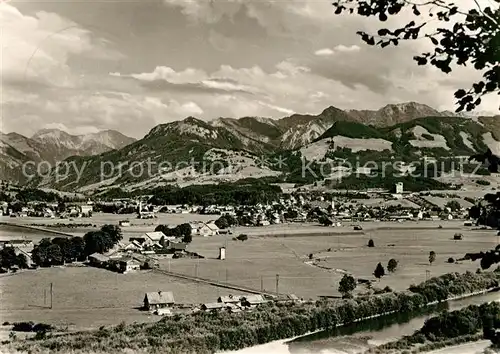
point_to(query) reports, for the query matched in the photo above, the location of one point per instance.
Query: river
(358, 337)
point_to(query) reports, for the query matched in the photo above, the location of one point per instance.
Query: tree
(432, 257)
(40, 254)
(77, 249)
(291, 214)
(187, 238)
(222, 222)
(114, 232)
(97, 241)
(473, 39)
(347, 285)
(21, 261)
(379, 271)
(184, 230)
(55, 255)
(371, 243)
(392, 265)
(325, 221)
(8, 258)
(453, 205)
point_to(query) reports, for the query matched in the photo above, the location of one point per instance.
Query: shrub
(242, 237)
(451, 260)
(371, 243)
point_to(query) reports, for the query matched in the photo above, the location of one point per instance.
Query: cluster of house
(49, 210)
(128, 256)
(163, 303)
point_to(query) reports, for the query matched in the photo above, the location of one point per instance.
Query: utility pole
(227, 275)
(277, 283)
(261, 283)
(44, 297)
(196, 270)
(51, 296)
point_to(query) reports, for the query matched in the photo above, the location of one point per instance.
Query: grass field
(138, 226)
(85, 297)
(260, 258)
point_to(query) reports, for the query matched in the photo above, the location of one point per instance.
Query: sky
(85, 66)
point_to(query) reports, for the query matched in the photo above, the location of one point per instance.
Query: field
(85, 297)
(260, 258)
(138, 226)
(88, 297)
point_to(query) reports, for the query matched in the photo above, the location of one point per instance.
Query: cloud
(324, 52)
(347, 49)
(38, 47)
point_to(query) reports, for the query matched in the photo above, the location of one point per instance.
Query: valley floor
(89, 297)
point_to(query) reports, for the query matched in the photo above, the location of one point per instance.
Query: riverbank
(356, 337)
(221, 331)
(446, 329)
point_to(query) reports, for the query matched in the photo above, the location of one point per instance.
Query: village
(222, 257)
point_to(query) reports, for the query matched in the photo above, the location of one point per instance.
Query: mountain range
(407, 129)
(53, 145)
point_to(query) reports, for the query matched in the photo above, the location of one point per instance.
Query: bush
(371, 243)
(451, 260)
(242, 237)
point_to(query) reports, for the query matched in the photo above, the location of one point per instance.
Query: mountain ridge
(250, 139)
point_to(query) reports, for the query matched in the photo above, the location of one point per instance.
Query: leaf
(383, 32)
(460, 93)
(415, 10)
(434, 41)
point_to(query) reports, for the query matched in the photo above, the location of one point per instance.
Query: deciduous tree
(347, 285)
(432, 257)
(392, 265)
(379, 271)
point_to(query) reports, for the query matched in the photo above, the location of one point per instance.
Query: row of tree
(61, 250)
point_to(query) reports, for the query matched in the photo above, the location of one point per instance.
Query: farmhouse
(208, 229)
(230, 299)
(252, 300)
(85, 210)
(158, 300)
(98, 259)
(151, 238)
(213, 306)
(127, 265)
